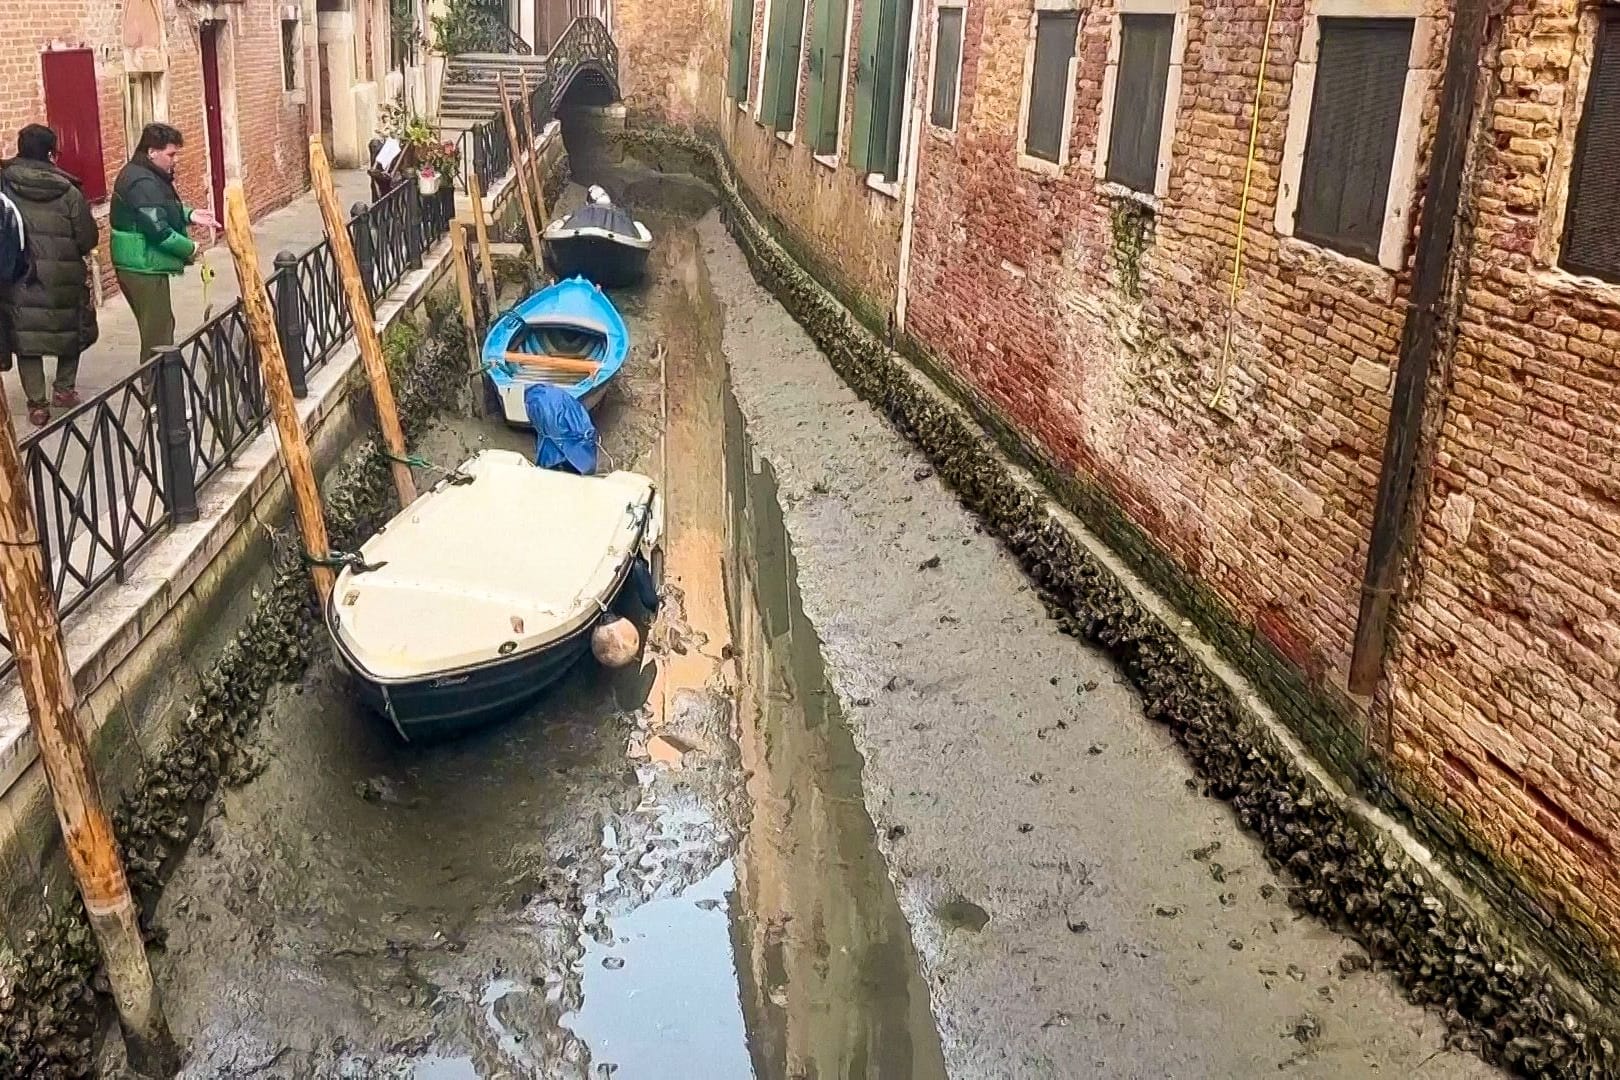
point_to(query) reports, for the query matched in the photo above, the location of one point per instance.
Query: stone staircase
(469, 93)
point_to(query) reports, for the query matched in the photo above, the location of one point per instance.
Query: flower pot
(427, 185)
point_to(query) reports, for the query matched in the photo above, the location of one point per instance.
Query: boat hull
(603, 260)
(571, 305)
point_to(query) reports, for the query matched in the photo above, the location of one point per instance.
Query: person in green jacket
(49, 311)
(149, 241)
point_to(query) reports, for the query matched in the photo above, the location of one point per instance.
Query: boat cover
(472, 572)
(601, 221)
(565, 438)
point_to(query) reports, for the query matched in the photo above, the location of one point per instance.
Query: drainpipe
(908, 200)
(1395, 517)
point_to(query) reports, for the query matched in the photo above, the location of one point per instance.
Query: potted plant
(427, 180)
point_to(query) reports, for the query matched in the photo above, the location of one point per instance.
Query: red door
(73, 109)
(215, 116)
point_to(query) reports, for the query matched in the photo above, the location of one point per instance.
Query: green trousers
(32, 370)
(148, 296)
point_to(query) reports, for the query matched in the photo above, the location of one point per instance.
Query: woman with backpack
(48, 311)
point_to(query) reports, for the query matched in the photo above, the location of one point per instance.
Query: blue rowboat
(568, 335)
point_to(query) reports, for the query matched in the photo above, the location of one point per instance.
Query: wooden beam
(530, 119)
(1393, 510)
(481, 227)
(290, 442)
(365, 323)
(469, 311)
(521, 171)
(87, 831)
(559, 363)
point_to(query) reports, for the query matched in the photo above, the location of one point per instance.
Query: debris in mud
(1026, 827)
(963, 915)
(930, 563)
(1353, 962)
(1305, 1029)
(922, 474)
(1167, 911)
(1088, 686)
(1057, 1020)
(668, 750)
(895, 832)
(1200, 854)
(1445, 959)
(1096, 748)
(613, 963)
(1076, 927)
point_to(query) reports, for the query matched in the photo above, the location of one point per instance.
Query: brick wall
(1505, 688)
(270, 123)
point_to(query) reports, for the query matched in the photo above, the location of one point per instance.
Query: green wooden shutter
(773, 62)
(832, 74)
(815, 68)
(895, 83)
(742, 32)
(787, 67)
(866, 75)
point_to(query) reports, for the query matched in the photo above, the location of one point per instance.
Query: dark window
(1350, 144)
(784, 39)
(1592, 216)
(880, 86)
(1047, 131)
(742, 34)
(289, 54)
(73, 108)
(826, 95)
(947, 66)
(1139, 89)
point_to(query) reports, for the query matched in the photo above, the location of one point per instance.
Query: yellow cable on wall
(1217, 398)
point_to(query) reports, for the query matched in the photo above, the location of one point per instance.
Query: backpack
(16, 263)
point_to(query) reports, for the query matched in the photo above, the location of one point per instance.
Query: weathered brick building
(1058, 235)
(231, 75)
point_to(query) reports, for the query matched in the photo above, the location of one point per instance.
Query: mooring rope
(417, 461)
(337, 560)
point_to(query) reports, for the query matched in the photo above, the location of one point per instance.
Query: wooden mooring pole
(469, 310)
(294, 448)
(519, 168)
(530, 129)
(92, 846)
(365, 323)
(475, 195)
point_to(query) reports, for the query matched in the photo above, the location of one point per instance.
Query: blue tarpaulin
(565, 438)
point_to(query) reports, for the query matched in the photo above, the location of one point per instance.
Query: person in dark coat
(50, 312)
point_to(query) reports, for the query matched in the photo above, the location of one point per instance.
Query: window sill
(890, 188)
(294, 97)
(1040, 165)
(1363, 278)
(787, 138)
(828, 160)
(944, 135)
(1111, 189)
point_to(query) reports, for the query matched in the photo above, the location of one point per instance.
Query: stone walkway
(295, 227)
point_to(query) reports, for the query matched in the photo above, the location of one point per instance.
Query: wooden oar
(560, 363)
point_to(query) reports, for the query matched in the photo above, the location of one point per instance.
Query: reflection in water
(829, 977)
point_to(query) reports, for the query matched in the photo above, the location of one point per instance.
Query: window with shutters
(742, 35)
(1141, 85)
(144, 104)
(784, 40)
(882, 73)
(947, 68)
(824, 98)
(1592, 210)
(73, 109)
(1349, 169)
(1050, 90)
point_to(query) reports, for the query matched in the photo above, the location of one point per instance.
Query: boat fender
(615, 642)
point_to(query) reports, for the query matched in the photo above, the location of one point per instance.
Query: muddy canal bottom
(659, 872)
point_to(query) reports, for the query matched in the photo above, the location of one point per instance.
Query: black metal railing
(109, 476)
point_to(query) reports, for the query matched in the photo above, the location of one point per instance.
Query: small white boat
(484, 592)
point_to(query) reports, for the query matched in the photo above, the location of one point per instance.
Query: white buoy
(615, 643)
